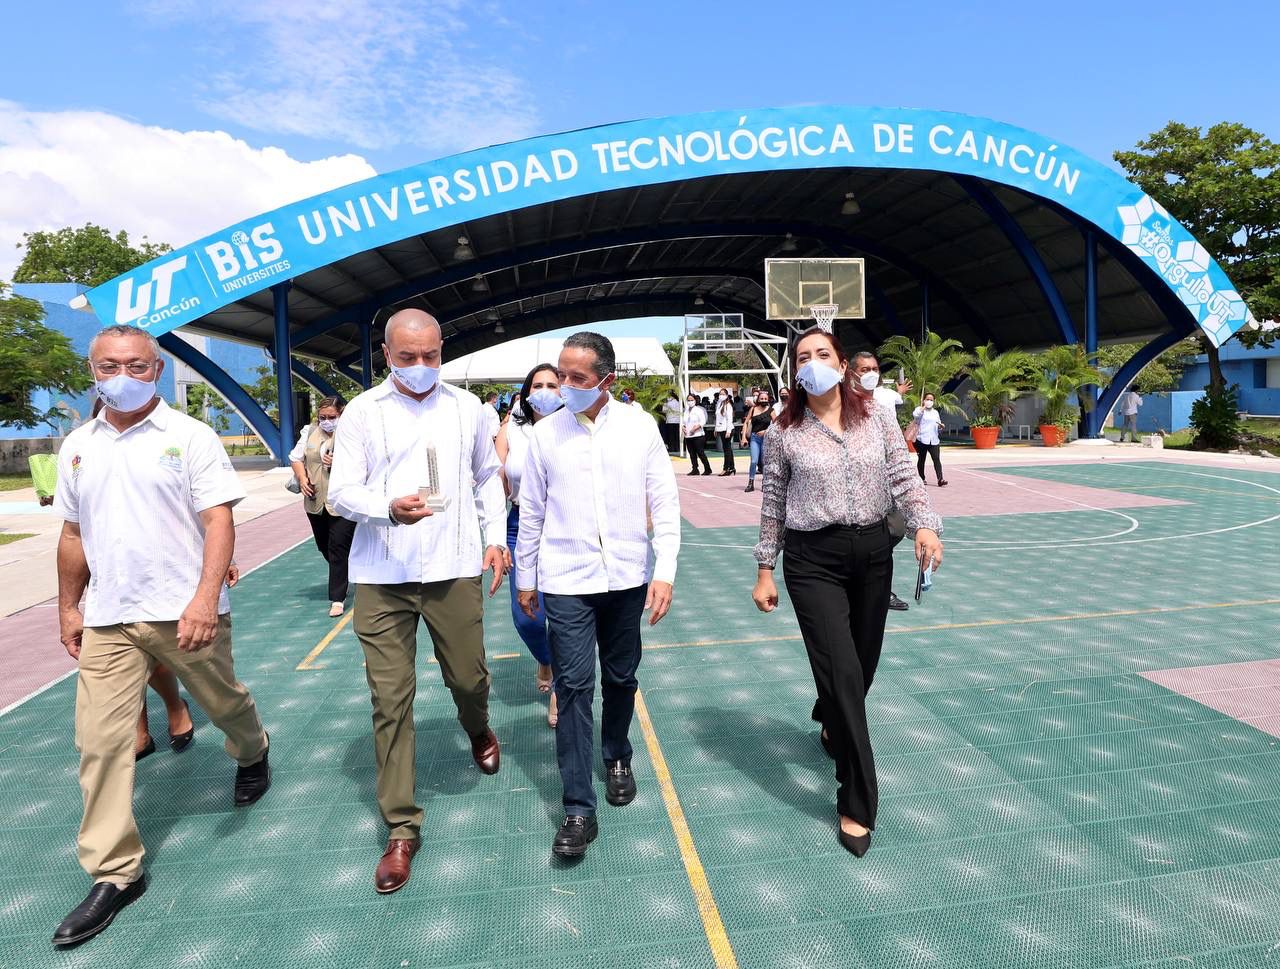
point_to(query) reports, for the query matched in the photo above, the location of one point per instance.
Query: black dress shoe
(896, 604)
(751, 486)
(146, 751)
(693, 474)
(620, 786)
(95, 913)
(855, 844)
(252, 781)
(942, 483)
(576, 832)
(181, 741)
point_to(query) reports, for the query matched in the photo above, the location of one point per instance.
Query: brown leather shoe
(484, 749)
(393, 869)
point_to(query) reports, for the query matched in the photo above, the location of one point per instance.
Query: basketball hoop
(823, 315)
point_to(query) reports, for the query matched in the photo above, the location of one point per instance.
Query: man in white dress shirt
(409, 562)
(593, 470)
(493, 420)
(145, 494)
(867, 367)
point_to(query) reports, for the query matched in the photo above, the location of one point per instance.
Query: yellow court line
(324, 643)
(712, 924)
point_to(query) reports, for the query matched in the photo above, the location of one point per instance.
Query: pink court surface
(1077, 736)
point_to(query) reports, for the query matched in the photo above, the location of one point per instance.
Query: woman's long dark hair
(854, 405)
(526, 414)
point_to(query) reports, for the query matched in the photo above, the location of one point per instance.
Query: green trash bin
(44, 473)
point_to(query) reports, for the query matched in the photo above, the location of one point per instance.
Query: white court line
(54, 682)
(1133, 522)
(732, 501)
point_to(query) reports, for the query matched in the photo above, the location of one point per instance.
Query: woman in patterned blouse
(835, 466)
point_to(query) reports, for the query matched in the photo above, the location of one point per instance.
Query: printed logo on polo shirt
(172, 458)
(76, 466)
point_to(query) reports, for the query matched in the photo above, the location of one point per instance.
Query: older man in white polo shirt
(146, 494)
(417, 556)
(593, 470)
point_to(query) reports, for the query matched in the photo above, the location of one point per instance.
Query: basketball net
(823, 315)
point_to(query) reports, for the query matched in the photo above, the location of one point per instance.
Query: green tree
(1223, 184)
(1060, 372)
(998, 380)
(929, 366)
(339, 381)
(205, 404)
(90, 255)
(33, 357)
(1164, 373)
(264, 390)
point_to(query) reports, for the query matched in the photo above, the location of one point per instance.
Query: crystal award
(430, 492)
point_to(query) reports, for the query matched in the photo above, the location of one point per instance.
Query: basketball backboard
(792, 286)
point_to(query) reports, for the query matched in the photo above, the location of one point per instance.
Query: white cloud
(71, 167)
(371, 73)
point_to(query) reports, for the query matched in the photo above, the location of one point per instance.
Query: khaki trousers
(386, 622)
(115, 662)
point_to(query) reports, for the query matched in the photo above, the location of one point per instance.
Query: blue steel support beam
(1091, 305)
(841, 243)
(1026, 249)
(221, 381)
(366, 355)
(1125, 376)
(284, 376)
(312, 379)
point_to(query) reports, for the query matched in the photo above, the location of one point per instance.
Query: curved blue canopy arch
(280, 245)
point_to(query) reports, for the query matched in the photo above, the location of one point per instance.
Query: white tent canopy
(509, 363)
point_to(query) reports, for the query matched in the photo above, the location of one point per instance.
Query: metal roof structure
(970, 228)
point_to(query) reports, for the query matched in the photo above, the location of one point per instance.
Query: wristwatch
(391, 514)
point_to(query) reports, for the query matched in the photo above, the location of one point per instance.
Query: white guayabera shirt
(586, 493)
(380, 453)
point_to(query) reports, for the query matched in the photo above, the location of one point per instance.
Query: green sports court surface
(1044, 803)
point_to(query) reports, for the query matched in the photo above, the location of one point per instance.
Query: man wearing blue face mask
(592, 472)
(409, 563)
(145, 494)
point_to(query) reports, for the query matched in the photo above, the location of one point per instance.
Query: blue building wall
(237, 359)
(1246, 368)
(1164, 412)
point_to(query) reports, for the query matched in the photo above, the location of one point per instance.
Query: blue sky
(342, 86)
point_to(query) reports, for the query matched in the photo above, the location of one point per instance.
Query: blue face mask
(545, 401)
(817, 378)
(578, 399)
(417, 379)
(125, 394)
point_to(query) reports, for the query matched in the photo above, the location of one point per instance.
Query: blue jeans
(532, 631)
(757, 457)
(577, 624)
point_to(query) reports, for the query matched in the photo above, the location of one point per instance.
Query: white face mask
(545, 401)
(125, 394)
(870, 380)
(417, 379)
(579, 399)
(928, 405)
(328, 425)
(818, 378)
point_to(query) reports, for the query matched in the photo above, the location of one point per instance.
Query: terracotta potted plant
(998, 380)
(1063, 372)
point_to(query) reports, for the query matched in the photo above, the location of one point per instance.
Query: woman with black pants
(836, 465)
(695, 435)
(311, 460)
(724, 432)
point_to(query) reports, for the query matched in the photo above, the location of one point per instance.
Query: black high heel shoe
(751, 486)
(727, 474)
(856, 844)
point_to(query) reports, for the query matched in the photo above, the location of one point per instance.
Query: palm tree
(928, 365)
(998, 380)
(1063, 371)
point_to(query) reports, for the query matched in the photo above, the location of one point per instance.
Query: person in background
(866, 371)
(724, 431)
(1130, 401)
(695, 435)
(928, 441)
(516, 398)
(311, 459)
(412, 564)
(755, 423)
(541, 391)
(146, 496)
(833, 531)
(493, 420)
(783, 396)
(672, 417)
(628, 397)
(594, 478)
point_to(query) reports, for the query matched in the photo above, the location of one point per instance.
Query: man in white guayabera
(414, 467)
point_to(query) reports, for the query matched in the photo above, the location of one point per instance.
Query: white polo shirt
(137, 497)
